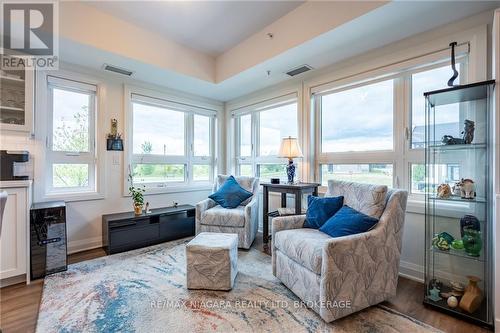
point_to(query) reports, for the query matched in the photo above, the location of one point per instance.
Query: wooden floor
(19, 303)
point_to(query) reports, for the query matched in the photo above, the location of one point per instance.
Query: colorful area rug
(144, 291)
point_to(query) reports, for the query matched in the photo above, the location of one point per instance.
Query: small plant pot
(138, 209)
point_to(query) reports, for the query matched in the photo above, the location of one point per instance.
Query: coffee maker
(14, 165)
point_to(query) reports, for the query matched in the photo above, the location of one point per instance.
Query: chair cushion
(319, 210)
(230, 194)
(304, 246)
(248, 183)
(348, 221)
(365, 198)
(226, 217)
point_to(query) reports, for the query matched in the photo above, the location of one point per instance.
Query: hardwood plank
(19, 303)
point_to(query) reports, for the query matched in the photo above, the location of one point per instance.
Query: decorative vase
(472, 242)
(290, 171)
(473, 296)
(138, 209)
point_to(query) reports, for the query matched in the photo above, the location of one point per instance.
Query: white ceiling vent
(299, 70)
(117, 70)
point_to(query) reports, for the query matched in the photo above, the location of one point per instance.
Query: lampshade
(290, 148)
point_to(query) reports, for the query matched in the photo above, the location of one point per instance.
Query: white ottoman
(212, 261)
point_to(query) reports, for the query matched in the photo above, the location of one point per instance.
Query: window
(172, 143)
(358, 119)
(447, 122)
(360, 173)
(364, 135)
(264, 126)
(356, 133)
(442, 174)
(71, 152)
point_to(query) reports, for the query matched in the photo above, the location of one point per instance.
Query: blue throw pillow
(319, 210)
(348, 221)
(230, 194)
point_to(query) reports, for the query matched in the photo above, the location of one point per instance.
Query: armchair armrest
(287, 223)
(203, 206)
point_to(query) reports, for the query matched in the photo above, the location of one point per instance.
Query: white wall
(84, 217)
(393, 57)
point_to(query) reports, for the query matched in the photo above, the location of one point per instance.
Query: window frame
(66, 157)
(43, 133)
(402, 156)
(356, 157)
(417, 155)
(161, 100)
(255, 159)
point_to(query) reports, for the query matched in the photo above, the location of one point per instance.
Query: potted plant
(137, 194)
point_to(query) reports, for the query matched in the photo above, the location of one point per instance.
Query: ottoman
(212, 261)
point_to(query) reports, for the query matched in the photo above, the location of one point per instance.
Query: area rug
(144, 291)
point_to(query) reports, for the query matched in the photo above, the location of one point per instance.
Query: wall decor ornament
(114, 140)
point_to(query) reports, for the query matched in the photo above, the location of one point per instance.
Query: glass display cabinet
(458, 212)
(16, 99)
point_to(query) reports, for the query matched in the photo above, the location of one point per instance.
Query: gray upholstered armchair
(339, 276)
(242, 220)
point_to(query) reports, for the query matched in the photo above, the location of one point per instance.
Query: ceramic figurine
(434, 294)
(469, 221)
(473, 296)
(467, 190)
(442, 241)
(468, 132)
(452, 302)
(450, 140)
(457, 188)
(472, 242)
(444, 191)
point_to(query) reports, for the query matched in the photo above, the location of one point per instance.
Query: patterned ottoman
(212, 261)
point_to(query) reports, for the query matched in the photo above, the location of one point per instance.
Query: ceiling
(387, 24)
(211, 27)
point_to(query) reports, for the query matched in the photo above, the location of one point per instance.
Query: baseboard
(411, 271)
(84, 244)
(12, 280)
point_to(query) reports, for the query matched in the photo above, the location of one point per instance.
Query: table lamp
(290, 148)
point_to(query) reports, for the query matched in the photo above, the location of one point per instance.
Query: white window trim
(403, 156)
(254, 110)
(189, 108)
(42, 134)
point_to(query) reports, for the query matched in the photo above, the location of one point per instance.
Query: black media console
(126, 231)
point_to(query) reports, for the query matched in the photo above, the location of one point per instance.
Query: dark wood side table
(298, 190)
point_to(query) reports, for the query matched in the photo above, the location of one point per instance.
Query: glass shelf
(458, 253)
(458, 199)
(458, 147)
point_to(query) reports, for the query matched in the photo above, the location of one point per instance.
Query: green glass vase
(472, 242)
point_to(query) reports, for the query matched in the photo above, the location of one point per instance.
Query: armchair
(339, 276)
(242, 220)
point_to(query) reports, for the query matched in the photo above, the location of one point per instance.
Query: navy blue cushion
(348, 221)
(230, 194)
(319, 210)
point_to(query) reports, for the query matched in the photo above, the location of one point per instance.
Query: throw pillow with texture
(319, 210)
(230, 194)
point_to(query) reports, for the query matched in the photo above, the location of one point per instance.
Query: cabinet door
(13, 235)
(16, 100)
